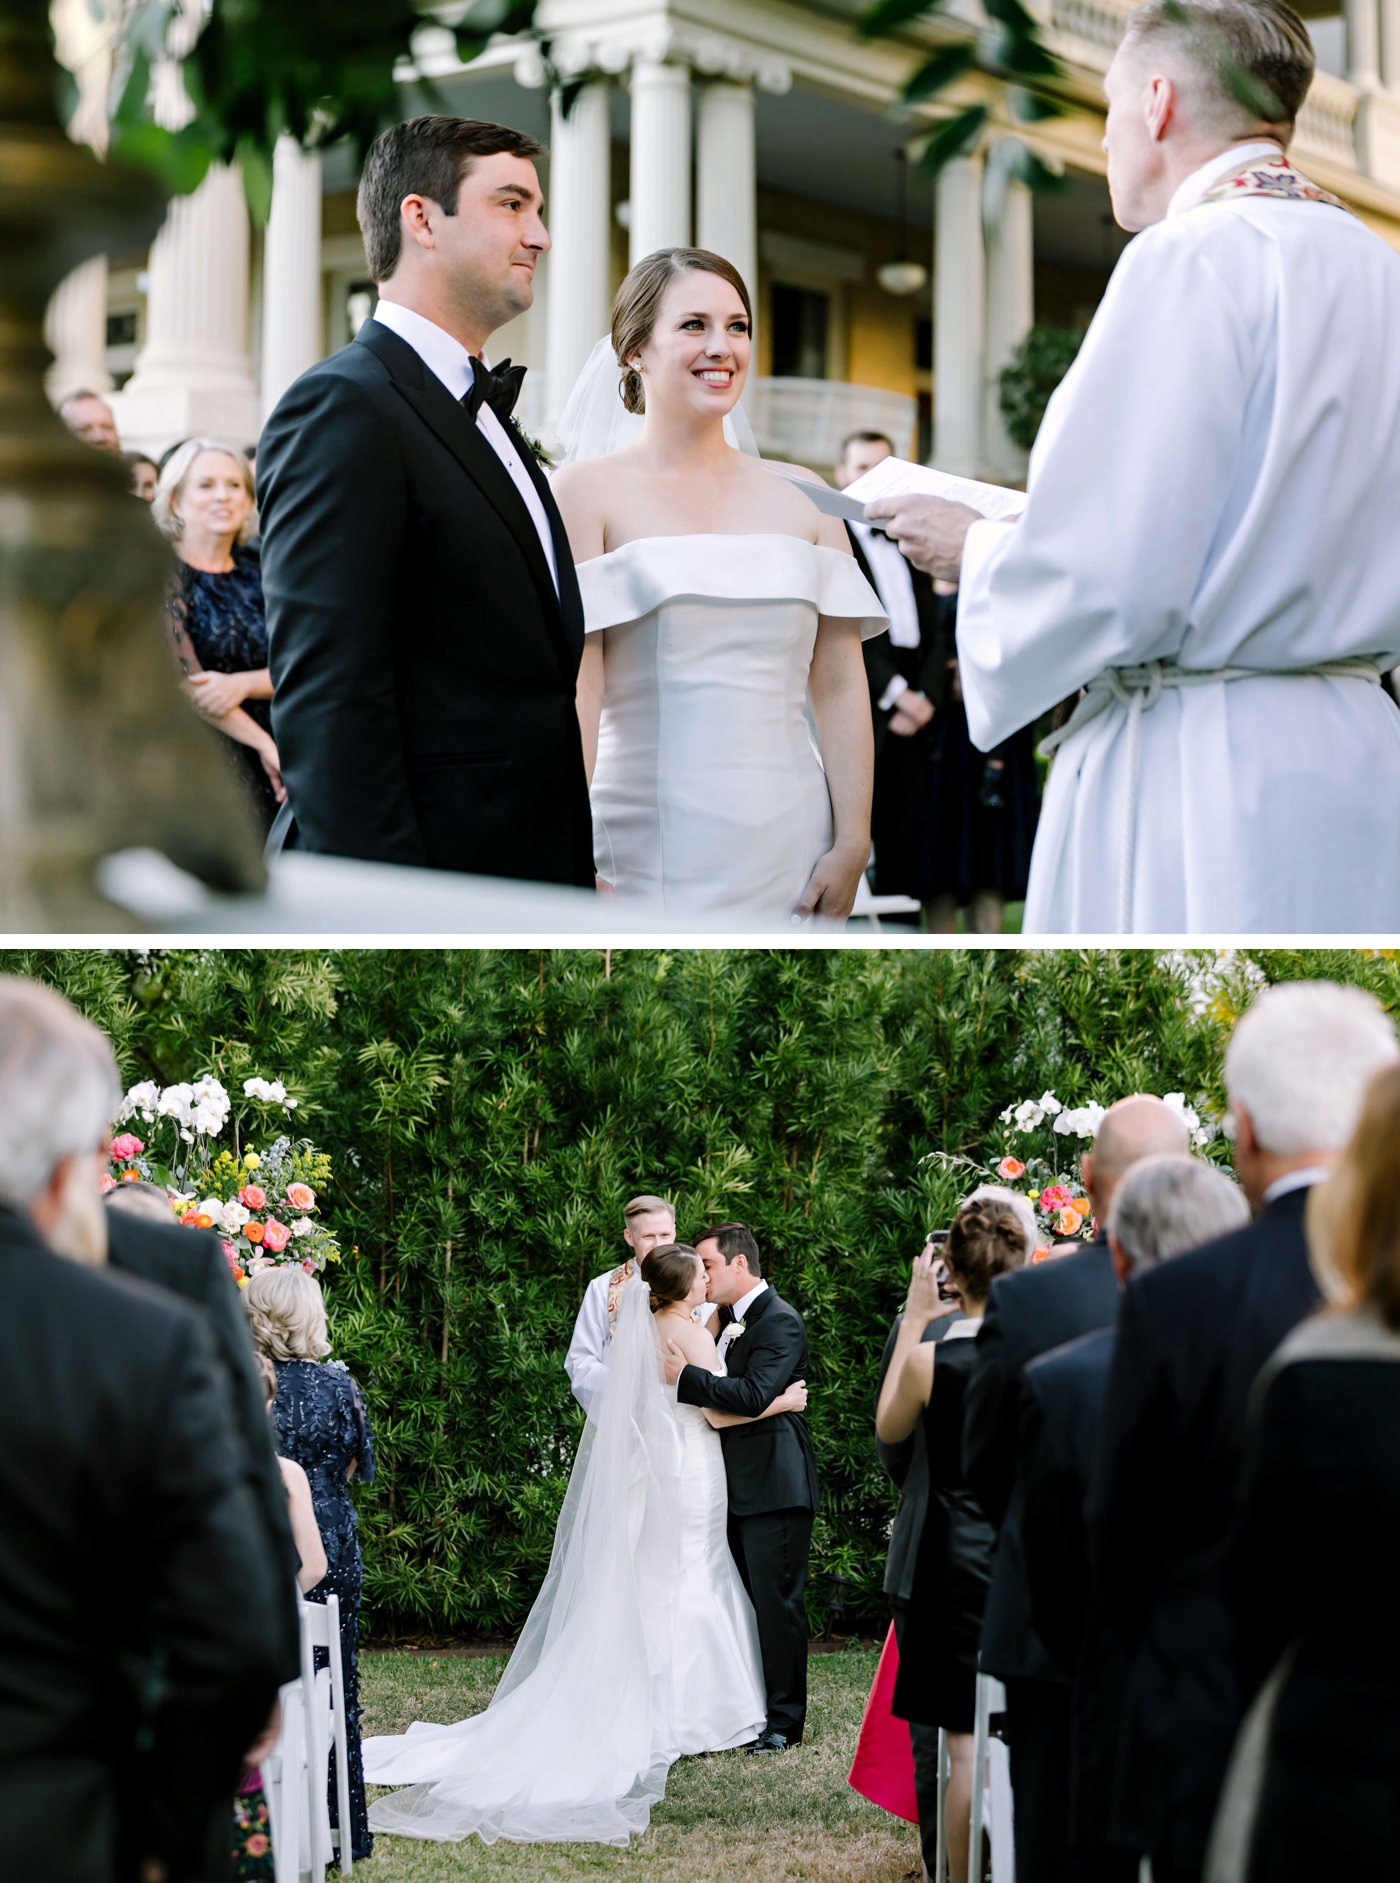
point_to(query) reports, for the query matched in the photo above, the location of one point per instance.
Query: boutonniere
(535, 449)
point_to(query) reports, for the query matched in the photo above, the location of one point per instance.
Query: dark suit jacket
(1028, 1313)
(769, 1464)
(925, 667)
(424, 666)
(191, 1264)
(1062, 1400)
(1192, 1335)
(907, 1465)
(137, 1662)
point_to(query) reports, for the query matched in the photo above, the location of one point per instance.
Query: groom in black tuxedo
(424, 620)
(771, 1471)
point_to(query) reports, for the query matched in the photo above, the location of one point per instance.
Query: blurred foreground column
(193, 377)
(958, 301)
(1010, 311)
(291, 317)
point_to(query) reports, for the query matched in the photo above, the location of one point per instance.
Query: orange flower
(253, 1231)
(203, 1222)
(1068, 1222)
(131, 1176)
(1082, 1204)
(1042, 1253)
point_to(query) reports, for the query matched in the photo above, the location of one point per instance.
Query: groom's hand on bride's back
(674, 1360)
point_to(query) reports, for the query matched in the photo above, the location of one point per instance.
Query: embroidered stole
(616, 1283)
(1274, 176)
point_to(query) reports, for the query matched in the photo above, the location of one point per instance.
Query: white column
(1390, 44)
(291, 294)
(194, 376)
(958, 294)
(726, 206)
(1363, 43)
(660, 187)
(1010, 311)
(580, 194)
(75, 327)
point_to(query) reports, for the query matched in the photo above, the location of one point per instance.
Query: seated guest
(926, 1384)
(145, 474)
(89, 417)
(204, 504)
(906, 1464)
(139, 1647)
(1163, 1206)
(1192, 1336)
(319, 1418)
(1028, 1314)
(908, 674)
(1312, 1581)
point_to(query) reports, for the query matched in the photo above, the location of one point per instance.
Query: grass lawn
(726, 1818)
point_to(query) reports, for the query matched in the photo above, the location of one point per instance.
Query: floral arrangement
(264, 1203)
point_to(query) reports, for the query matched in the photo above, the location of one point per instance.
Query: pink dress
(883, 1768)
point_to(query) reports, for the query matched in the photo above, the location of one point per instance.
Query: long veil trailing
(595, 422)
(578, 1738)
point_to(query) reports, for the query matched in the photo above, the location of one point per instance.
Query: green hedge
(489, 1112)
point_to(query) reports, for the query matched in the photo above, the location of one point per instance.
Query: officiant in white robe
(1211, 540)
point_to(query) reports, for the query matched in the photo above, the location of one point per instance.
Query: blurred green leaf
(939, 70)
(955, 137)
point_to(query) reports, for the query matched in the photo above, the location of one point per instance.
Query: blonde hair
(286, 1314)
(1354, 1218)
(639, 301)
(172, 482)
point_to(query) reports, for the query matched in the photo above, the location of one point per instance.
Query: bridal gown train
(708, 793)
(641, 1646)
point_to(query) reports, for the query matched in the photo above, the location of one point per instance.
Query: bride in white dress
(641, 1646)
(718, 604)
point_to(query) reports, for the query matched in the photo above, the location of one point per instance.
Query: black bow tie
(496, 386)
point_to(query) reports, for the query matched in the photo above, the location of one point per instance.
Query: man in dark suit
(906, 1464)
(771, 1471)
(1192, 1336)
(909, 676)
(1163, 1206)
(1028, 1313)
(424, 620)
(139, 1650)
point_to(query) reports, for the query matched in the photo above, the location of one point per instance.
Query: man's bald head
(1134, 1128)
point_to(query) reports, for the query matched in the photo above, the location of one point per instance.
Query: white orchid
(1083, 1122)
(211, 1207)
(233, 1216)
(143, 1098)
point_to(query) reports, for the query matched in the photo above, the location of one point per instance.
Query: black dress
(321, 1423)
(1316, 1566)
(937, 1683)
(979, 821)
(222, 616)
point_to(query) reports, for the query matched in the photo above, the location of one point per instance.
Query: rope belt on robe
(1138, 689)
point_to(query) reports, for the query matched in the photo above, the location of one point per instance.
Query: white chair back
(296, 1776)
(991, 1800)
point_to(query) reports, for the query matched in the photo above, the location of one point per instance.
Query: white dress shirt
(448, 360)
(894, 580)
(1296, 1180)
(736, 1326)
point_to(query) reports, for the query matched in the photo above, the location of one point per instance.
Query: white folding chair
(284, 1787)
(326, 1720)
(991, 1798)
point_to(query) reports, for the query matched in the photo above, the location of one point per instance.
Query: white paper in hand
(891, 478)
(895, 477)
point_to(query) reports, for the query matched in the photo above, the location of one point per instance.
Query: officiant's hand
(929, 530)
(674, 1360)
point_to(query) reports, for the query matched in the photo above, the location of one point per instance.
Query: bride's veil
(595, 422)
(579, 1735)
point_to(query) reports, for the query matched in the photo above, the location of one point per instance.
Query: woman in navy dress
(204, 504)
(320, 1420)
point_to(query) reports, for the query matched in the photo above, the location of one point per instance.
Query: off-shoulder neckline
(715, 536)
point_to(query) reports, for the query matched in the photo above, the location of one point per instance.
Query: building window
(800, 320)
(121, 329)
(359, 305)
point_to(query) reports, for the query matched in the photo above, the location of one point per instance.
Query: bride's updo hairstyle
(639, 301)
(669, 1272)
(987, 1238)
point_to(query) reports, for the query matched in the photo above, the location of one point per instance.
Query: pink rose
(109, 1182)
(1010, 1168)
(190, 1219)
(126, 1146)
(1055, 1198)
(301, 1196)
(276, 1235)
(252, 1198)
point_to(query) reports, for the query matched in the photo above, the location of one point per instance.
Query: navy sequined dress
(321, 1423)
(221, 619)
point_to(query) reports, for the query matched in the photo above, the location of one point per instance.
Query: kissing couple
(671, 1619)
(463, 650)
